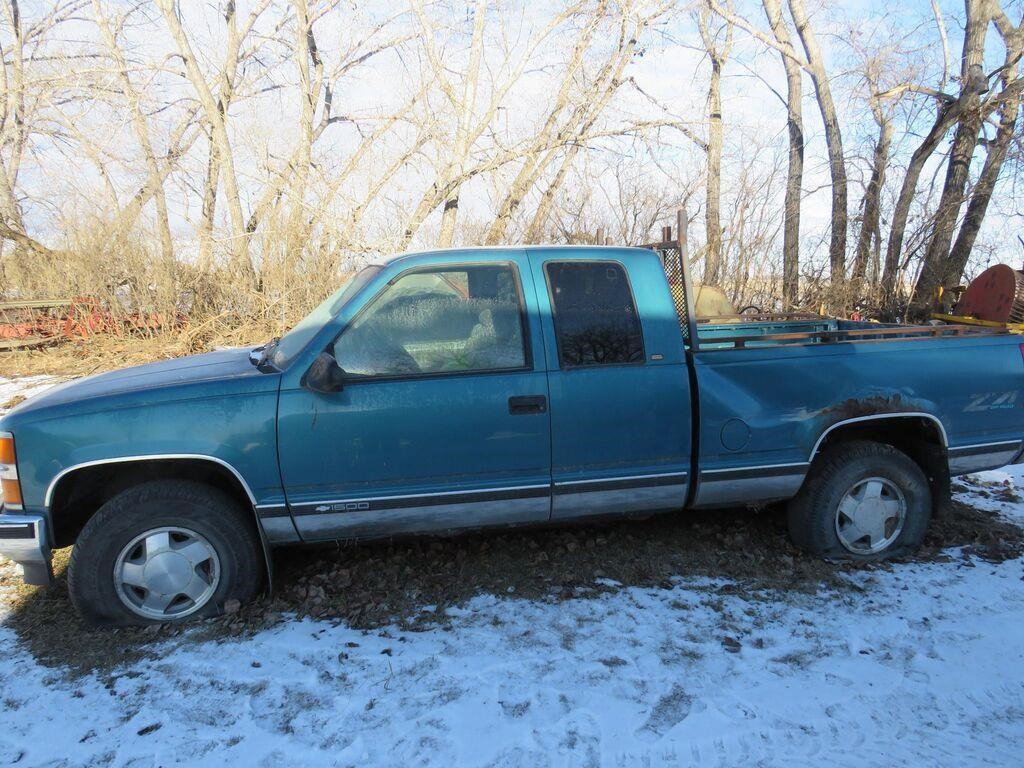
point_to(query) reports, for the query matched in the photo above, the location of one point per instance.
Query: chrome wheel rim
(166, 573)
(870, 516)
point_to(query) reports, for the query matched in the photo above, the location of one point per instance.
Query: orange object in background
(30, 323)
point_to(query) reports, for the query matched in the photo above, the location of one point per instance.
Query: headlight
(10, 488)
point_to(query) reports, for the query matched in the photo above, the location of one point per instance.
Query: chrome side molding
(876, 417)
(147, 457)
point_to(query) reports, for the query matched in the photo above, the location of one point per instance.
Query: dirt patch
(980, 533)
(412, 582)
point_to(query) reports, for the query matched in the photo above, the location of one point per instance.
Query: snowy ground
(921, 667)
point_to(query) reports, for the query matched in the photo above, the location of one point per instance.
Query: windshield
(293, 342)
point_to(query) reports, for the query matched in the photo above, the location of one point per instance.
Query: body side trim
(420, 500)
(458, 497)
(623, 483)
(967, 450)
(787, 469)
(626, 477)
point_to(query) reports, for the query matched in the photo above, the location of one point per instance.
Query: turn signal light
(10, 493)
(6, 448)
(10, 488)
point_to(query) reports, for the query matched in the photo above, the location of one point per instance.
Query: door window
(439, 321)
(596, 322)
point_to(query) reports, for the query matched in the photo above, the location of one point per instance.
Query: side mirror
(324, 375)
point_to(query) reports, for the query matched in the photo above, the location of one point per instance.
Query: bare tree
(718, 53)
(795, 166)
(556, 129)
(876, 65)
(22, 100)
(996, 148)
(632, 25)
(140, 124)
(813, 62)
(255, 140)
(833, 139)
(215, 111)
(936, 270)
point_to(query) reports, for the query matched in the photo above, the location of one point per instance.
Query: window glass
(298, 337)
(465, 319)
(595, 319)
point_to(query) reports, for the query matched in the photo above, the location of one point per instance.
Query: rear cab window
(595, 317)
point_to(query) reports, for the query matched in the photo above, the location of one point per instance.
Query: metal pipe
(688, 295)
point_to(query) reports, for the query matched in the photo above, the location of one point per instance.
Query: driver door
(442, 422)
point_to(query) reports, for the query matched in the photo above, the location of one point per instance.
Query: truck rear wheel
(164, 551)
(862, 501)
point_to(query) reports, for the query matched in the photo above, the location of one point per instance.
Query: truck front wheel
(164, 551)
(861, 501)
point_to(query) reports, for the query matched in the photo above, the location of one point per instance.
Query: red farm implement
(50, 321)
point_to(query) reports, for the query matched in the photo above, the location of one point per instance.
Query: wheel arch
(918, 434)
(77, 492)
(880, 424)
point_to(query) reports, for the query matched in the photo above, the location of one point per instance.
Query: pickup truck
(462, 389)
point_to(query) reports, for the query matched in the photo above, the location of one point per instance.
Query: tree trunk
(997, 149)
(937, 271)
(141, 128)
(448, 216)
(834, 141)
(209, 210)
(713, 202)
(219, 136)
(871, 207)
(311, 74)
(976, 209)
(946, 117)
(795, 171)
(15, 130)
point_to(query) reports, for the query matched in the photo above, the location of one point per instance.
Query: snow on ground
(25, 386)
(922, 667)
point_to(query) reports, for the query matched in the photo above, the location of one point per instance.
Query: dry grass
(107, 352)
(193, 307)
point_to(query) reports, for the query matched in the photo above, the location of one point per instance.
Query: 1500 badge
(346, 506)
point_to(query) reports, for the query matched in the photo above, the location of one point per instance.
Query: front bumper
(23, 540)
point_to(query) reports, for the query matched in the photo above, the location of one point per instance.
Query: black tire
(813, 511)
(172, 503)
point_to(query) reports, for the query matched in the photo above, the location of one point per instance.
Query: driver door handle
(527, 404)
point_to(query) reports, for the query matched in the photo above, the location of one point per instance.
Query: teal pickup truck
(462, 389)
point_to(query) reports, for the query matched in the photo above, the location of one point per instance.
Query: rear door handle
(525, 404)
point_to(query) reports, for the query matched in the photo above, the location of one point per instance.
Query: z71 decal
(992, 401)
